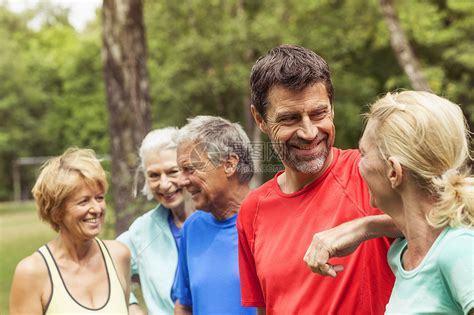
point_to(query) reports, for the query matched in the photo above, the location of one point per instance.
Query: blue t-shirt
(176, 232)
(443, 283)
(208, 272)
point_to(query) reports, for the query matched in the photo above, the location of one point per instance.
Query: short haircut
(429, 136)
(291, 67)
(220, 138)
(62, 176)
(155, 141)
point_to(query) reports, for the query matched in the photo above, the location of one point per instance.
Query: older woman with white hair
(154, 237)
(414, 153)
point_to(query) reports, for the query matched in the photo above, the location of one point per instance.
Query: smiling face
(206, 182)
(162, 175)
(300, 126)
(84, 213)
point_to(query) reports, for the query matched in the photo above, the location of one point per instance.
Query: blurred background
(101, 74)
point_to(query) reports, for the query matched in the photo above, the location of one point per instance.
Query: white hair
(155, 140)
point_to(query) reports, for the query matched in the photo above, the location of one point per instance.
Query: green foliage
(52, 92)
(199, 57)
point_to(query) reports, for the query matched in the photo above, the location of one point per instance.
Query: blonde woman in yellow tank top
(75, 273)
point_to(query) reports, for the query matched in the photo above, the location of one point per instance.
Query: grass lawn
(21, 234)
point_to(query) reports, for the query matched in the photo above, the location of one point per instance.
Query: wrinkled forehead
(165, 157)
(281, 98)
(80, 186)
(189, 151)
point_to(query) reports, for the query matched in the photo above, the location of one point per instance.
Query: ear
(230, 165)
(258, 118)
(395, 172)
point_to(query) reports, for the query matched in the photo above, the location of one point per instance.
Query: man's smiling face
(300, 126)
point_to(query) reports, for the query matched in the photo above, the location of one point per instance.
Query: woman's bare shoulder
(32, 267)
(118, 250)
(30, 286)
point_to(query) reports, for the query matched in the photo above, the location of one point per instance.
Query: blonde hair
(429, 136)
(61, 177)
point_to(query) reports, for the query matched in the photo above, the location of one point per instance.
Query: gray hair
(219, 139)
(155, 140)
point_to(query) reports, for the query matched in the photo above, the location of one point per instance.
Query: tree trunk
(257, 149)
(128, 100)
(402, 48)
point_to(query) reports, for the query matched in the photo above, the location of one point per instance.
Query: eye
(173, 173)
(153, 175)
(318, 115)
(100, 198)
(188, 169)
(83, 202)
(288, 119)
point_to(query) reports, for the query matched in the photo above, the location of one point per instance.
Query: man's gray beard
(311, 165)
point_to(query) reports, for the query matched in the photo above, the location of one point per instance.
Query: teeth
(169, 195)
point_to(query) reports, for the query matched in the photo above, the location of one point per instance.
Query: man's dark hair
(292, 67)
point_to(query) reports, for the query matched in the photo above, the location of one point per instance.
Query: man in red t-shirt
(319, 189)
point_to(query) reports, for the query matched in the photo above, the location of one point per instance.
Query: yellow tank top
(61, 302)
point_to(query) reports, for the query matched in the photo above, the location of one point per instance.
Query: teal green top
(443, 283)
(154, 258)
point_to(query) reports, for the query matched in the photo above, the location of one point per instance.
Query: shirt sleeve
(457, 267)
(183, 287)
(251, 292)
(125, 239)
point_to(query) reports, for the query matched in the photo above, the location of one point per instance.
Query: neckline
(67, 290)
(411, 273)
(226, 222)
(311, 185)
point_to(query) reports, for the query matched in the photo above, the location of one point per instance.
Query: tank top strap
(108, 259)
(50, 263)
(58, 288)
(116, 289)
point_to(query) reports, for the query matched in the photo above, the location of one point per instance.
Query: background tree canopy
(200, 53)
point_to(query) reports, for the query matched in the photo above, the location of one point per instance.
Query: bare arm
(261, 311)
(134, 309)
(180, 309)
(344, 239)
(121, 256)
(28, 286)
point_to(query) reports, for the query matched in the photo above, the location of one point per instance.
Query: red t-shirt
(275, 230)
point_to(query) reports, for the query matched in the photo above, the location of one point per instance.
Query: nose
(96, 207)
(307, 130)
(183, 180)
(164, 182)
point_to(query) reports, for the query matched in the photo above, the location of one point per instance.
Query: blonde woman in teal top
(414, 154)
(152, 238)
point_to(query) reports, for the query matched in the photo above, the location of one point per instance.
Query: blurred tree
(50, 96)
(402, 48)
(200, 56)
(127, 96)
